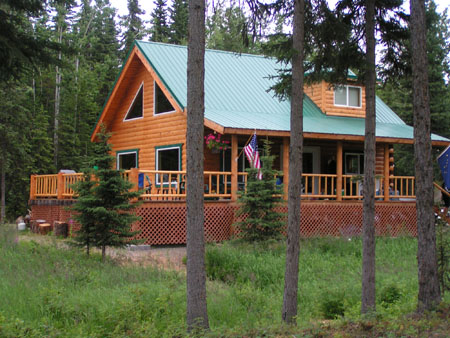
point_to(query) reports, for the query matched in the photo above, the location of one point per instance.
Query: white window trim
(154, 101)
(347, 98)
(157, 161)
(126, 153)
(359, 161)
(132, 103)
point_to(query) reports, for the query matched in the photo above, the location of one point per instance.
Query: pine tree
(196, 306)
(178, 27)
(14, 148)
(429, 293)
(103, 204)
(133, 25)
(290, 295)
(160, 29)
(228, 29)
(397, 89)
(258, 204)
(20, 48)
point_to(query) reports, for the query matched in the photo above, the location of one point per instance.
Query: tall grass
(330, 268)
(46, 291)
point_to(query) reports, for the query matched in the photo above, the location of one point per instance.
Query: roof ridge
(209, 50)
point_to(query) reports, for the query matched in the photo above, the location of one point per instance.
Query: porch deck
(163, 211)
(218, 185)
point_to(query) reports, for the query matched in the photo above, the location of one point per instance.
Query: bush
(332, 306)
(390, 295)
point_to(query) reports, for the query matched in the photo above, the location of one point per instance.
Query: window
(347, 96)
(354, 163)
(136, 109)
(127, 159)
(168, 158)
(161, 103)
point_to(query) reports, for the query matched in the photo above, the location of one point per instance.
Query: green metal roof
(237, 95)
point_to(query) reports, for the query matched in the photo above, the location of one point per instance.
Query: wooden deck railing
(171, 185)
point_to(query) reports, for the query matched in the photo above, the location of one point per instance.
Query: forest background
(47, 111)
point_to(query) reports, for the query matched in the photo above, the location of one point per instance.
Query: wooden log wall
(322, 95)
(150, 131)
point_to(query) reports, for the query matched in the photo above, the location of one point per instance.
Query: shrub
(390, 295)
(332, 306)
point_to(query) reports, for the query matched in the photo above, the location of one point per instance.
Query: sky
(147, 5)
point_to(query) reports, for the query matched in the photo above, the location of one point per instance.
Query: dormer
(343, 100)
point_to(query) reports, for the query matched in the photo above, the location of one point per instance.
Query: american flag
(251, 151)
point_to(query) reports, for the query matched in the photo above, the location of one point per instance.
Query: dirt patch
(163, 257)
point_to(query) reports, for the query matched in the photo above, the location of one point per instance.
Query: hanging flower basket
(215, 143)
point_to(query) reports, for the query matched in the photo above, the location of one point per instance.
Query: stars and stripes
(251, 151)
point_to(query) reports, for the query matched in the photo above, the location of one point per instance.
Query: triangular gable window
(136, 108)
(162, 104)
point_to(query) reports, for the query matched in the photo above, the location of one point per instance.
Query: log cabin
(146, 113)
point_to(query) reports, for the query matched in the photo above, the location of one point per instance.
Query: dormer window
(136, 108)
(161, 103)
(348, 96)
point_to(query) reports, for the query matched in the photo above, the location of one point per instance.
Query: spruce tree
(103, 206)
(258, 204)
(134, 26)
(160, 28)
(178, 27)
(397, 88)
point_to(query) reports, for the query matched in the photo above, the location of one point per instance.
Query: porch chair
(148, 190)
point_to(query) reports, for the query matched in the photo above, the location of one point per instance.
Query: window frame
(132, 104)
(178, 146)
(126, 152)
(360, 155)
(155, 85)
(347, 96)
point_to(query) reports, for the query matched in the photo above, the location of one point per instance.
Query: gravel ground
(164, 257)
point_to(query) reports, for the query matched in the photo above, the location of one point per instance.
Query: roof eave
(118, 79)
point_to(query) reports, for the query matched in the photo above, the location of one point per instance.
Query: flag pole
(245, 145)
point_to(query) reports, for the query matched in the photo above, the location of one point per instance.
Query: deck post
(134, 178)
(386, 172)
(234, 167)
(339, 155)
(60, 186)
(285, 167)
(32, 187)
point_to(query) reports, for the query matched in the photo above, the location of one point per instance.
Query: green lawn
(46, 291)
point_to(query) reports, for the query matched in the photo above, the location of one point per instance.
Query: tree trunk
(103, 252)
(289, 311)
(368, 257)
(3, 189)
(429, 293)
(197, 315)
(57, 102)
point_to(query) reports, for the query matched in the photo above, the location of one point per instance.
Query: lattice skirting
(164, 222)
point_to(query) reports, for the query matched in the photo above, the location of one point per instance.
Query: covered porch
(332, 171)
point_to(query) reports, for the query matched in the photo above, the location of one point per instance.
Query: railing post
(134, 178)
(32, 187)
(234, 167)
(285, 167)
(60, 186)
(339, 154)
(386, 172)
